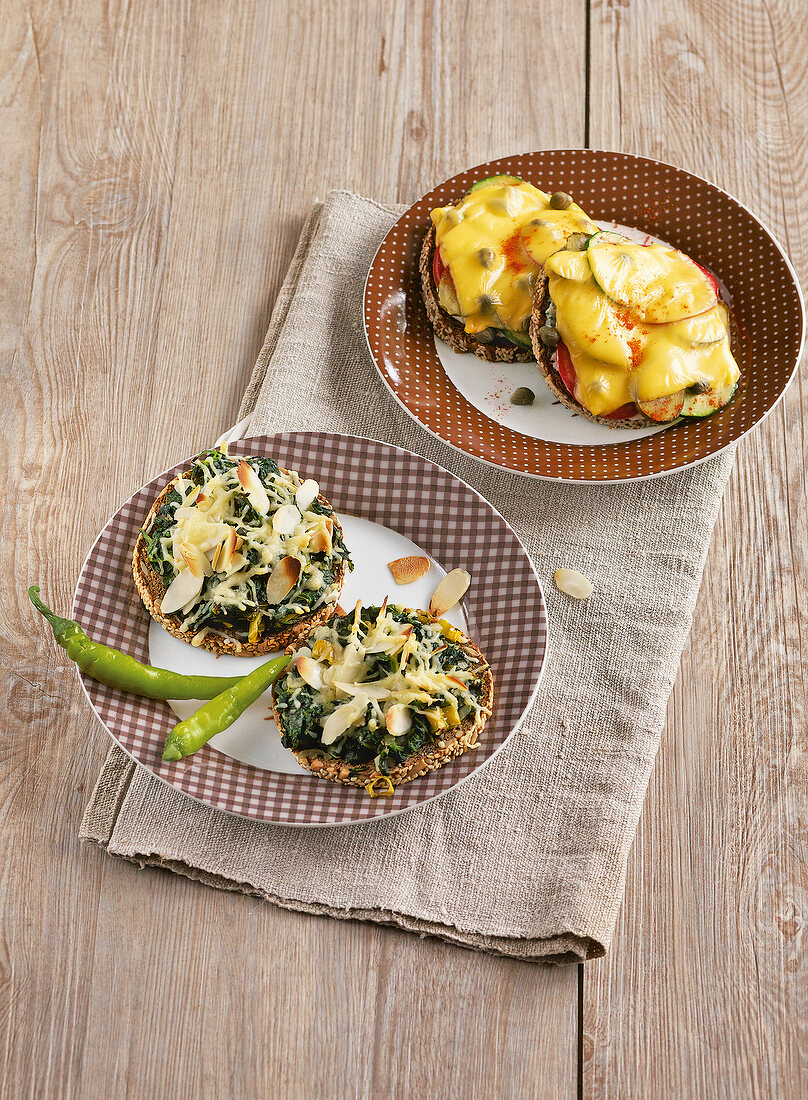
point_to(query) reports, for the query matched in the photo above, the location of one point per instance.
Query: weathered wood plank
(158, 162)
(705, 991)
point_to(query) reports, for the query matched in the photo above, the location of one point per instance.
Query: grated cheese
(204, 520)
(418, 678)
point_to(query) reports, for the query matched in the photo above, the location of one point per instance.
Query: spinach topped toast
(240, 556)
(382, 695)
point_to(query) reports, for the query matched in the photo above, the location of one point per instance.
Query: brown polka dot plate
(465, 401)
(399, 502)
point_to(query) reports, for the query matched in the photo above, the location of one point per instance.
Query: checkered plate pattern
(505, 609)
(666, 202)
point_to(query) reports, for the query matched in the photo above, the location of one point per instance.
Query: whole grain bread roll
(545, 357)
(448, 744)
(497, 350)
(151, 589)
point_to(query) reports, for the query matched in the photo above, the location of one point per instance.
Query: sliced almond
(251, 484)
(282, 579)
(321, 540)
(373, 691)
(311, 672)
(450, 591)
(572, 583)
(185, 587)
(398, 720)
(455, 680)
(407, 570)
(225, 552)
(342, 719)
(238, 561)
(286, 519)
(306, 494)
(195, 560)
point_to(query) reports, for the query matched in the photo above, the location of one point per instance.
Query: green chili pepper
(119, 670)
(221, 712)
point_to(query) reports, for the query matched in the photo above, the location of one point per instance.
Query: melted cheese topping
(621, 357)
(347, 686)
(494, 243)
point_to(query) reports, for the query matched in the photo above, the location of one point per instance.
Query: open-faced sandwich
(629, 335)
(240, 556)
(481, 259)
(382, 695)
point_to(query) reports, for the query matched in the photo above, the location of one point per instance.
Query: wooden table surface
(157, 161)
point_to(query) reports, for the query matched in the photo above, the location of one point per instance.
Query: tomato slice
(711, 279)
(623, 413)
(566, 369)
(567, 372)
(438, 267)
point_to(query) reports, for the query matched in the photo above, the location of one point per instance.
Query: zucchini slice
(664, 409)
(698, 405)
(605, 236)
(659, 284)
(447, 296)
(494, 179)
(521, 339)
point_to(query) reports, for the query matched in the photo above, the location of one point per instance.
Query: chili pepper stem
(58, 624)
(118, 670)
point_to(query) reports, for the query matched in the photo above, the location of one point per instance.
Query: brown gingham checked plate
(658, 199)
(390, 487)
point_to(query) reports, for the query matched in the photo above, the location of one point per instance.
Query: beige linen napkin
(527, 858)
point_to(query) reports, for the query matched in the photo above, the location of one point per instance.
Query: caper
(486, 303)
(485, 256)
(576, 242)
(549, 336)
(698, 387)
(523, 396)
(560, 200)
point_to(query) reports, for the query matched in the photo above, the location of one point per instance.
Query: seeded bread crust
(151, 589)
(449, 744)
(450, 331)
(547, 368)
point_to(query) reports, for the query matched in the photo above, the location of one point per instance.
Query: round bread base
(548, 371)
(151, 590)
(447, 329)
(448, 744)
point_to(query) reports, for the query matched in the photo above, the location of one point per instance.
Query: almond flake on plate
(450, 591)
(409, 569)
